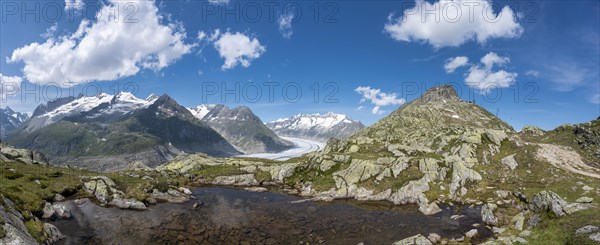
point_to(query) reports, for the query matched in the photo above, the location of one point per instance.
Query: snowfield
(301, 146)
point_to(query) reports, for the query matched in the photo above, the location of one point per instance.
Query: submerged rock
(128, 203)
(52, 233)
(414, 240)
(256, 189)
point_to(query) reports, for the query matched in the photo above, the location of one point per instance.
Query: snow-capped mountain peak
(100, 105)
(316, 126)
(10, 120)
(307, 121)
(202, 110)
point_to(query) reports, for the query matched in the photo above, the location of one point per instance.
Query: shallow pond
(233, 216)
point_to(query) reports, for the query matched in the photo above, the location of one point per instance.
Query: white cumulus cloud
(235, 48)
(453, 22)
(484, 77)
(74, 4)
(106, 49)
(453, 63)
(378, 98)
(285, 24)
(9, 85)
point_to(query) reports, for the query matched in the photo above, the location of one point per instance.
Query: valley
(301, 147)
(465, 177)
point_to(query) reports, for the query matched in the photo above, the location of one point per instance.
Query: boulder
(242, 179)
(595, 237)
(56, 211)
(429, 209)
(414, 240)
(52, 233)
(434, 237)
(471, 233)
(518, 221)
(171, 196)
(128, 203)
(586, 229)
(487, 214)
(548, 201)
(584, 200)
(510, 162)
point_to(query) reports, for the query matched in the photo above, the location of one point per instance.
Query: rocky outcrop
(242, 179)
(14, 227)
(548, 201)
(106, 192)
(532, 130)
(9, 153)
(171, 196)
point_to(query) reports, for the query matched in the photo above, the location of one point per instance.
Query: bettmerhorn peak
(439, 94)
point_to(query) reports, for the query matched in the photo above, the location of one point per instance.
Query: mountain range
(316, 126)
(110, 132)
(107, 132)
(10, 120)
(241, 128)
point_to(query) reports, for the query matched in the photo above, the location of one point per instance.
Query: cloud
(378, 98)
(456, 62)
(532, 73)
(218, 1)
(285, 24)
(595, 99)
(453, 23)
(9, 85)
(106, 49)
(235, 48)
(74, 4)
(566, 75)
(484, 78)
(50, 31)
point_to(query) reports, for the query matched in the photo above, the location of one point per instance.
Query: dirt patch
(567, 159)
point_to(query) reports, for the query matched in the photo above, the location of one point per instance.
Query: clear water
(233, 216)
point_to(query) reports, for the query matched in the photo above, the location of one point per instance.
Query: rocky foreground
(531, 186)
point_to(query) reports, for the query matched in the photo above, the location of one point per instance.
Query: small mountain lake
(235, 216)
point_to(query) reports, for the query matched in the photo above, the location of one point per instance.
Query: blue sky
(537, 63)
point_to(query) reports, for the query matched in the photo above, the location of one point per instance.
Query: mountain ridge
(316, 126)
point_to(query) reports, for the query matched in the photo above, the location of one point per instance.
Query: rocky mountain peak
(439, 94)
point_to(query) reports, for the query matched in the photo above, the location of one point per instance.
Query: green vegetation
(262, 176)
(409, 174)
(321, 180)
(210, 172)
(562, 230)
(36, 229)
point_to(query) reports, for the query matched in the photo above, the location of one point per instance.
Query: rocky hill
(241, 127)
(438, 151)
(316, 126)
